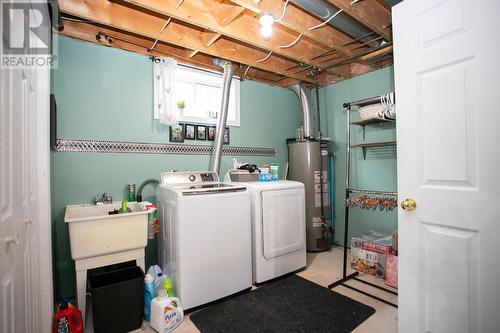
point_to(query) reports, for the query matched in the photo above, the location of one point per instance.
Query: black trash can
(117, 300)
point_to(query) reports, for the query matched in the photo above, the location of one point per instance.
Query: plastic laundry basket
(118, 300)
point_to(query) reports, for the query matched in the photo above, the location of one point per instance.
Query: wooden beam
(377, 53)
(224, 12)
(212, 38)
(299, 21)
(368, 12)
(148, 25)
(384, 5)
(192, 54)
(138, 44)
(357, 58)
(245, 28)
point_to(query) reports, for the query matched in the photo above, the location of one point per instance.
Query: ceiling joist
(370, 13)
(244, 28)
(297, 20)
(194, 32)
(148, 25)
(115, 38)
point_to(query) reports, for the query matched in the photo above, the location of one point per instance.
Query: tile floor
(323, 269)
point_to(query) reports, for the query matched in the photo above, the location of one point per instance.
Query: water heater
(309, 164)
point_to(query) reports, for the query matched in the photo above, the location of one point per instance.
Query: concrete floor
(323, 269)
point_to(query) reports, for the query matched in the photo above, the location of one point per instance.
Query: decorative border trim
(102, 146)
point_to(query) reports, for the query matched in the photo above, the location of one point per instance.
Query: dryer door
(283, 222)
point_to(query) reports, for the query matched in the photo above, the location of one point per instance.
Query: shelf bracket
(364, 153)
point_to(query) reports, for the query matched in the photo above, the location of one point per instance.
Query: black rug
(292, 304)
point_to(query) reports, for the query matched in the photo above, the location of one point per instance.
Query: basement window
(202, 93)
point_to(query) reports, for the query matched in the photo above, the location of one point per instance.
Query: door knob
(12, 240)
(409, 204)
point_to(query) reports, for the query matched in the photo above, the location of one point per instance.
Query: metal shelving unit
(349, 190)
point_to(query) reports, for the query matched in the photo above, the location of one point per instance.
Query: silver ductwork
(221, 124)
(305, 104)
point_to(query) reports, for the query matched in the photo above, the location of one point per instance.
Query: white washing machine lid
(197, 183)
(272, 185)
(212, 188)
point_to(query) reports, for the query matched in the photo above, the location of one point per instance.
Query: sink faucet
(144, 183)
(104, 199)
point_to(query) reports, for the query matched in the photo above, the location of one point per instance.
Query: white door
(25, 255)
(448, 101)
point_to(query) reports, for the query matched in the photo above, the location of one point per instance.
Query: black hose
(141, 187)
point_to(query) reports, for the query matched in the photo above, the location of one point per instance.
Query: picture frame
(190, 132)
(201, 132)
(176, 133)
(226, 136)
(211, 133)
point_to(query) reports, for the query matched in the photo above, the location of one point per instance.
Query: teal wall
(378, 171)
(105, 93)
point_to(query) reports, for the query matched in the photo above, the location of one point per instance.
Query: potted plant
(181, 104)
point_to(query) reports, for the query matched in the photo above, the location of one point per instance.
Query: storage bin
(117, 300)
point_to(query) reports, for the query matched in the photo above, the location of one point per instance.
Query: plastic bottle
(67, 318)
(157, 273)
(168, 287)
(124, 208)
(149, 294)
(275, 169)
(131, 192)
(166, 314)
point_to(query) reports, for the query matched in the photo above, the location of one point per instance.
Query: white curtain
(165, 108)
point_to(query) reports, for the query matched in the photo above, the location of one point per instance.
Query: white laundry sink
(92, 232)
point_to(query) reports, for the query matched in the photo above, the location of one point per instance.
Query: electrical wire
(246, 71)
(165, 25)
(264, 59)
(154, 44)
(324, 23)
(292, 43)
(179, 3)
(283, 13)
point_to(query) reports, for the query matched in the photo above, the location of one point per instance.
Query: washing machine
(205, 239)
(278, 227)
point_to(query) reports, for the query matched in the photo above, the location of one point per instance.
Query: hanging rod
(364, 102)
(361, 191)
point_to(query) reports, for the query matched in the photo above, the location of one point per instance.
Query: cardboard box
(368, 262)
(369, 252)
(392, 270)
(381, 245)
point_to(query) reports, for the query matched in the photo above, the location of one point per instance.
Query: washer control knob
(192, 178)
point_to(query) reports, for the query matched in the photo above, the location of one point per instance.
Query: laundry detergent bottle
(149, 294)
(166, 314)
(67, 319)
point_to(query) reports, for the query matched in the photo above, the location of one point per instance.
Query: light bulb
(266, 19)
(266, 30)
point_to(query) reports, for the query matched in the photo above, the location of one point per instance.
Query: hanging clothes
(164, 88)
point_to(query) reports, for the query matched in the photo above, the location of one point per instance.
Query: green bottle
(124, 208)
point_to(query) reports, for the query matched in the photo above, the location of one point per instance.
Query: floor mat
(292, 304)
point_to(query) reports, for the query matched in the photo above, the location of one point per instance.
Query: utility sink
(93, 232)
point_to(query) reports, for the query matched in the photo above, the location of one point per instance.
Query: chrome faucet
(104, 199)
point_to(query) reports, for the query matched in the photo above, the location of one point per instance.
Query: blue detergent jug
(149, 294)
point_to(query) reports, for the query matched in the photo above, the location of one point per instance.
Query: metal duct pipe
(305, 103)
(324, 10)
(221, 124)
